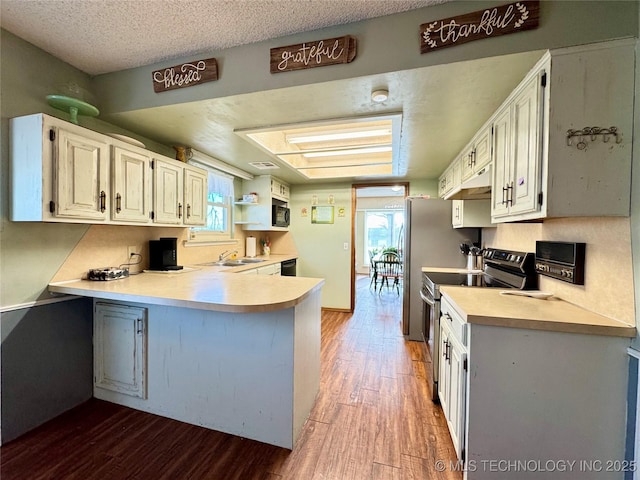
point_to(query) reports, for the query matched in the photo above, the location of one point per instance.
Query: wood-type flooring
(373, 420)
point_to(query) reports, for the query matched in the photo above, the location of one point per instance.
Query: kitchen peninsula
(234, 353)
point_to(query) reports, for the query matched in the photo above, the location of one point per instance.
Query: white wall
(321, 247)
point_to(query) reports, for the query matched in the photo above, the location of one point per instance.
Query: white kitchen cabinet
(471, 213)
(168, 202)
(61, 172)
(451, 179)
(532, 396)
(517, 161)
(195, 196)
(119, 342)
(453, 376)
(478, 154)
(130, 192)
(81, 179)
(541, 173)
(279, 190)
(258, 216)
(179, 193)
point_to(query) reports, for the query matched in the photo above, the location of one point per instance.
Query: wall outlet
(130, 251)
(346, 246)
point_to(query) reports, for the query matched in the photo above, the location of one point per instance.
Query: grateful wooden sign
(185, 75)
(331, 51)
(492, 22)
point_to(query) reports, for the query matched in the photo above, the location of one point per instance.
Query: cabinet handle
(448, 316)
(473, 157)
(139, 326)
(179, 210)
(103, 201)
(504, 190)
(118, 203)
(510, 195)
(188, 210)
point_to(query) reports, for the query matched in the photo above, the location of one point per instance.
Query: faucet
(226, 254)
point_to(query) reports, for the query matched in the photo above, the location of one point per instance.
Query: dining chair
(389, 267)
(372, 271)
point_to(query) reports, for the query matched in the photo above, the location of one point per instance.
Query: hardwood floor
(373, 419)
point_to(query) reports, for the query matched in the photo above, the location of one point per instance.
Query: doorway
(377, 223)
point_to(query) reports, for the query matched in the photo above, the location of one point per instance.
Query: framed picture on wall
(322, 214)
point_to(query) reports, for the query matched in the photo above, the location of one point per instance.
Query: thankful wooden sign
(493, 22)
(331, 51)
(185, 75)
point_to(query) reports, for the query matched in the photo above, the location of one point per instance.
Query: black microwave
(279, 216)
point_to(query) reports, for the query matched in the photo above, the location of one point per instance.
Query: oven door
(431, 334)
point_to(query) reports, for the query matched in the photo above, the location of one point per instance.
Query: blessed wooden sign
(493, 22)
(331, 51)
(185, 75)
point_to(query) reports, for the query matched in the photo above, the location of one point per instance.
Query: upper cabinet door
(195, 197)
(130, 193)
(501, 159)
(167, 192)
(80, 177)
(526, 134)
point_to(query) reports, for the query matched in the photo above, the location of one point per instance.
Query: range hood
(474, 188)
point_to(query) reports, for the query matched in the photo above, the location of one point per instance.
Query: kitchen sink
(234, 263)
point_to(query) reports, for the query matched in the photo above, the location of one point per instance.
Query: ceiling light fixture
(366, 146)
(352, 151)
(380, 96)
(345, 135)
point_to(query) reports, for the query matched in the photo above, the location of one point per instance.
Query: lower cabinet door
(444, 380)
(119, 338)
(457, 400)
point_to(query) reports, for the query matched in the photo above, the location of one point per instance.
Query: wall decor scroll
(492, 22)
(185, 75)
(331, 51)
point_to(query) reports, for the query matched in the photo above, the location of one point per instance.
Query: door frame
(354, 200)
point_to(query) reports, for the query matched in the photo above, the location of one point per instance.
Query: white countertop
(202, 287)
(487, 306)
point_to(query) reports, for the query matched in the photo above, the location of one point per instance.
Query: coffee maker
(163, 254)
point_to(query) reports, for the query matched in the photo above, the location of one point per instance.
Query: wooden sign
(185, 75)
(331, 51)
(493, 22)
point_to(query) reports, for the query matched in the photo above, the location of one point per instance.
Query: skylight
(354, 147)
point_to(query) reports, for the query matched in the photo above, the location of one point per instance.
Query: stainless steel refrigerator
(429, 241)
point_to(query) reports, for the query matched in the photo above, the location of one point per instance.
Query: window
(383, 229)
(219, 204)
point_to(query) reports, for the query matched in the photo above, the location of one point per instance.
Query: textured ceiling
(99, 36)
(111, 35)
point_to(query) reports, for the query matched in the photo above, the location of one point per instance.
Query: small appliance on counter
(163, 254)
(107, 273)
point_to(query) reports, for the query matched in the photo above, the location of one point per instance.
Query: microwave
(280, 216)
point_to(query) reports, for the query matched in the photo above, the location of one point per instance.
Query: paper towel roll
(250, 250)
